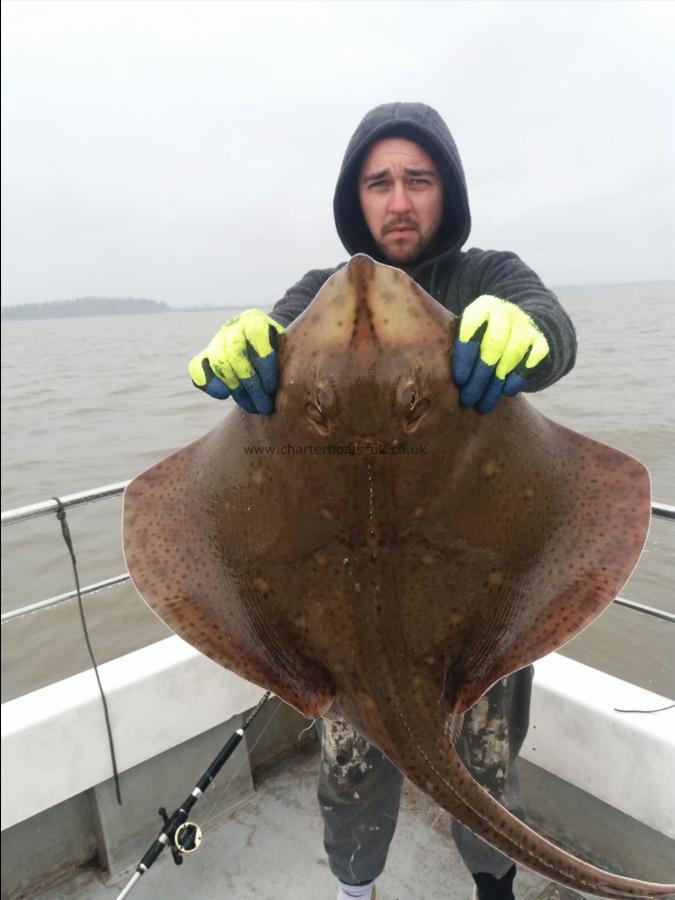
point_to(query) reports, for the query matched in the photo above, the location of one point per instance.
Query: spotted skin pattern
(313, 553)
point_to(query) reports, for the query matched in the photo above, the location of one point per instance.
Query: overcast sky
(187, 152)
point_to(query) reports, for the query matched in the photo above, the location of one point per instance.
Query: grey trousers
(360, 790)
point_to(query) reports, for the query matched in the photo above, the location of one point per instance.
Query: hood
(422, 124)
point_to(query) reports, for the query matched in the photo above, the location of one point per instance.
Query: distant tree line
(84, 306)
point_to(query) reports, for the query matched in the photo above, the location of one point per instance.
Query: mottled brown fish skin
(377, 551)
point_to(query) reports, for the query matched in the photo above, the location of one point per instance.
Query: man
(401, 197)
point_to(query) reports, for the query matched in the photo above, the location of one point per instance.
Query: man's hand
(497, 348)
(241, 362)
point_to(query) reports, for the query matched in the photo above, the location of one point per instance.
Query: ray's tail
(442, 775)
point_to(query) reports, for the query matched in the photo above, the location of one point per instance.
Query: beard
(407, 253)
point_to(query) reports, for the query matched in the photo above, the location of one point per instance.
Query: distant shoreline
(610, 284)
(8, 316)
(86, 307)
(83, 307)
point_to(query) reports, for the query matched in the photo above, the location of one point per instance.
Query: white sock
(351, 891)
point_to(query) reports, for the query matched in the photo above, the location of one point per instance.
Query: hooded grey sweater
(452, 276)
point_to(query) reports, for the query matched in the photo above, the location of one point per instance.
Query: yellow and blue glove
(241, 362)
(496, 351)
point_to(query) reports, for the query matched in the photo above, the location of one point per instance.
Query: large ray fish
(375, 551)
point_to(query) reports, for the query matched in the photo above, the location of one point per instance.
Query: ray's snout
(366, 304)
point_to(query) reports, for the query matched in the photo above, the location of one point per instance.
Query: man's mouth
(400, 229)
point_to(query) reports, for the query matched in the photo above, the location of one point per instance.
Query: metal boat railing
(47, 507)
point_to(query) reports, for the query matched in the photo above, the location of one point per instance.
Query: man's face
(401, 196)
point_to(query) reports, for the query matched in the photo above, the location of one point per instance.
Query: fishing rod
(181, 835)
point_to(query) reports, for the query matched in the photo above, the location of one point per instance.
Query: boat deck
(271, 849)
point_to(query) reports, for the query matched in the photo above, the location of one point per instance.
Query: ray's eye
(322, 400)
(417, 411)
(411, 405)
(406, 395)
(317, 413)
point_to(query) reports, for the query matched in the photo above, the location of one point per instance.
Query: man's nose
(399, 201)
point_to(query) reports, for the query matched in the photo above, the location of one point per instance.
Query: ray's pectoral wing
(562, 567)
(177, 555)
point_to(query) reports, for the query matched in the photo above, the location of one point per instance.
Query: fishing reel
(186, 838)
(179, 834)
